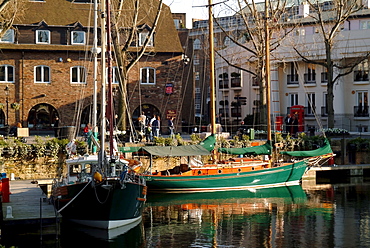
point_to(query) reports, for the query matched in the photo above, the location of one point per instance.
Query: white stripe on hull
(106, 224)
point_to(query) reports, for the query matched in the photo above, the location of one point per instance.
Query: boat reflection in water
(210, 217)
(82, 236)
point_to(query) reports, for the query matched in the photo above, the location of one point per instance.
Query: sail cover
(209, 142)
(176, 151)
(264, 149)
(326, 149)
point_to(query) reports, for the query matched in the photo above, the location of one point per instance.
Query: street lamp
(7, 104)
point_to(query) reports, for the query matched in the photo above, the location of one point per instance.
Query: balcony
(324, 77)
(361, 76)
(310, 78)
(292, 79)
(223, 84)
(309, 111)
(361, 111)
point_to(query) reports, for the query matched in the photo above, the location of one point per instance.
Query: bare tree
(251, 37)
(330, 17)
(135, 25)
(9, 9)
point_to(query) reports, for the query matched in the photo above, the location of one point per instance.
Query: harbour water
(311, 215)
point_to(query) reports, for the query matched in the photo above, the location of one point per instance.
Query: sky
(195, 9)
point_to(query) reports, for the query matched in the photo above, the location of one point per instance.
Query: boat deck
(28, 203)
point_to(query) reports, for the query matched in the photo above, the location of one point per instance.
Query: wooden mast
(212, 69)
(267, 71)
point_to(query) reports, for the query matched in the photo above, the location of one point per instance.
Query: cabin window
(42, 74)
(6, 74)
(78, 75)
(143, 36)
(42, 36)
(78, 38)
(8, 36)
(147, 75)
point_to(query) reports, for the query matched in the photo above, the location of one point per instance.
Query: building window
(197, 90)
(6, 74)
(115, 75)
(42, 36)
(293, 99)
(78, 38)
(361, 72)
(292, 78)
(78, 75)
(147, 75)
(311, 104)
(197, 77)
(8, 36)
(365, 24)
(197, 44)
(42, 74)
(227, 41)
(196, 59)
(362, 108)
(310, 76)
(143, 37)
(324, 108)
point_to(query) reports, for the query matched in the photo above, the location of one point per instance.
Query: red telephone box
(298, 112)
(279, 123)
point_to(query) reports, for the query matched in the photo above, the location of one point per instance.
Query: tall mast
(110, 78)
(212, 69)
(103, 77)
(267, 72)
(95, 54)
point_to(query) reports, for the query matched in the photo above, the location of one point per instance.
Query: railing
(309, 111)
(292, 79)
(310, 78)
(324, 111)
(361, 111)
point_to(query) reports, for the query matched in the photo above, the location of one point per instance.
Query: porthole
(252, 168)
(219, 171)
(199, 172)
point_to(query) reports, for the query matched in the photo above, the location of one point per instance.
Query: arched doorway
(42, 116)
(148, 109)
(86, 115)
(2, 118)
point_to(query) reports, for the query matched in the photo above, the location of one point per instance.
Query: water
(316, 216)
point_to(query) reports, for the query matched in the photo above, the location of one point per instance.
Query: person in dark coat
(56, 128)
(288, 124)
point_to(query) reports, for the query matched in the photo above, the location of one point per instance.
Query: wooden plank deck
(28, 202)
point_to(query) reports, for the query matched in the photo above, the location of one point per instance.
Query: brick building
(46, 66)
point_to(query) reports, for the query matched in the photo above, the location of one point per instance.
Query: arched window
(42, 74)
(147, 75)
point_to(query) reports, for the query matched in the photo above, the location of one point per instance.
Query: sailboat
(243, 172)
(101, 191)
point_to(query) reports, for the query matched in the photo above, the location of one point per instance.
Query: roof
(69, 13)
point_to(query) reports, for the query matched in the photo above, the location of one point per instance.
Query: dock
(28, 204)
(338, 171)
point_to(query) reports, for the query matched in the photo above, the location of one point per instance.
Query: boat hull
(106, 205)
(289, 174)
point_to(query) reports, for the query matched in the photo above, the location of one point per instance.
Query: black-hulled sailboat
(103, 190)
